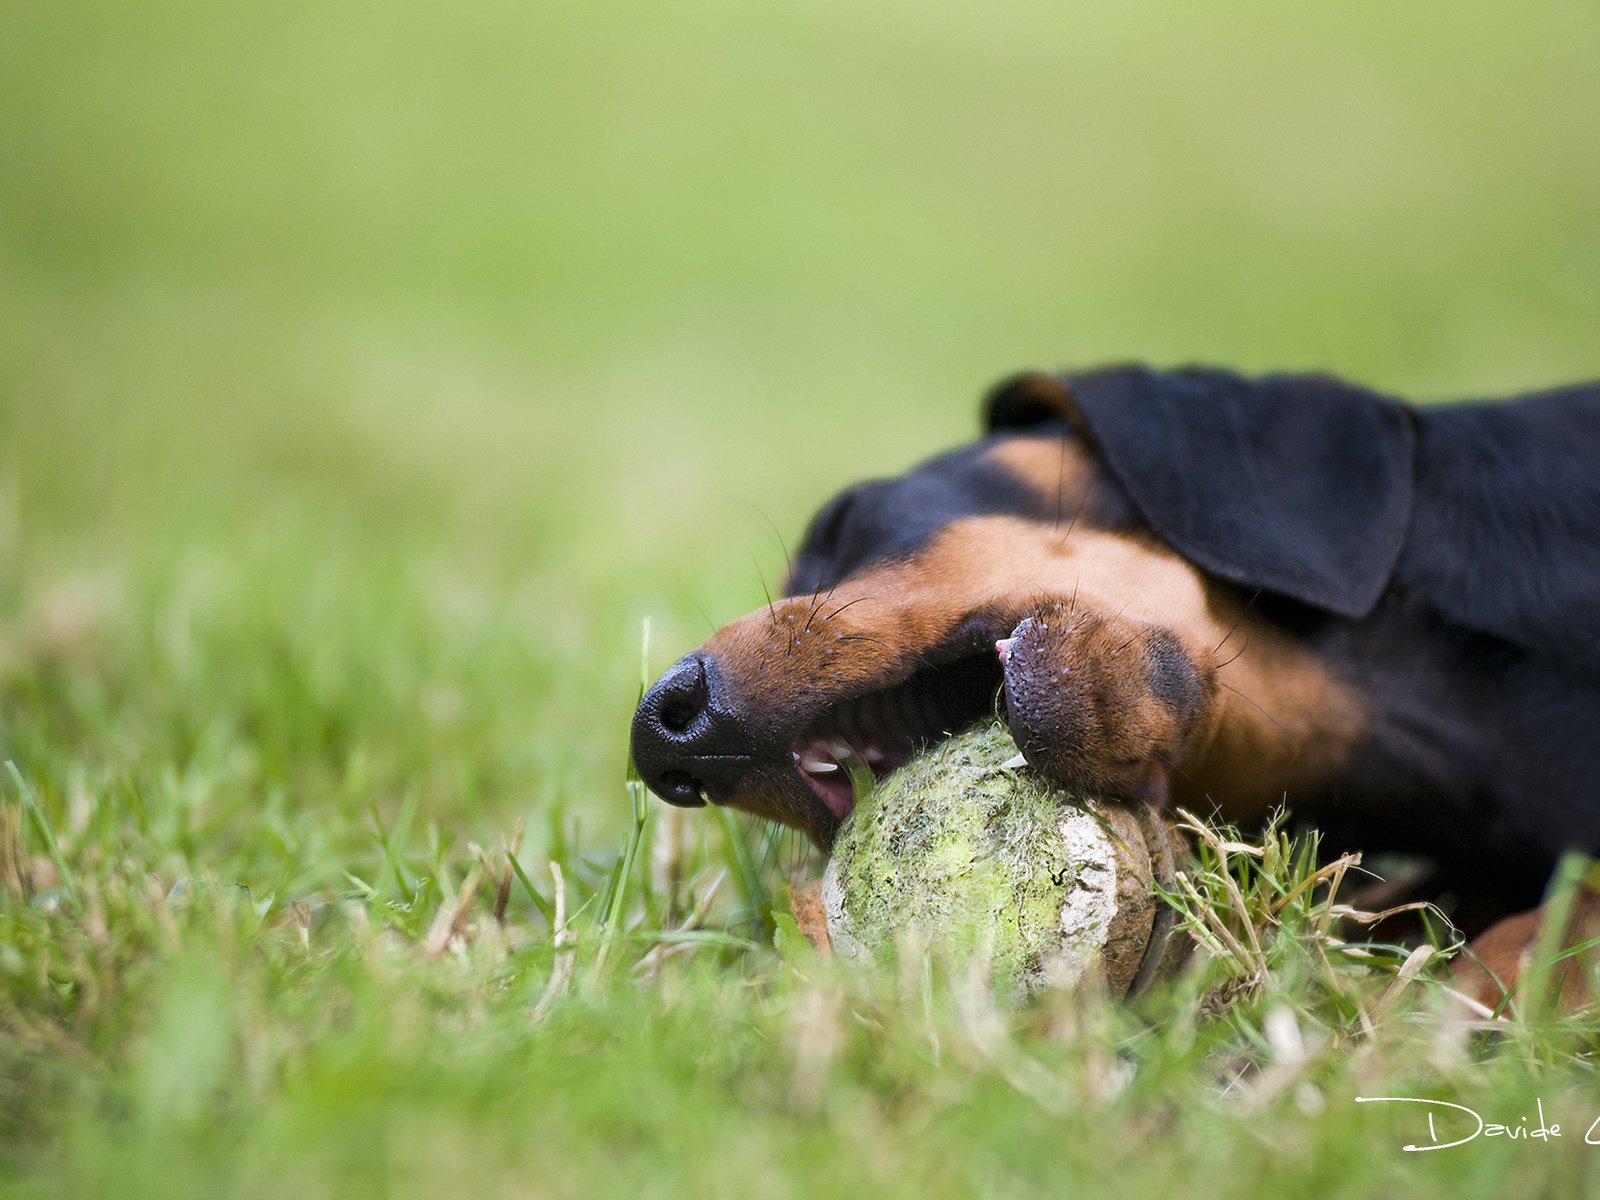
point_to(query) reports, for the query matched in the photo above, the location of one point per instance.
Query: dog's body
(1225, 593)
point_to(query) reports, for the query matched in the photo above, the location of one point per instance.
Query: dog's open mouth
(878, 731)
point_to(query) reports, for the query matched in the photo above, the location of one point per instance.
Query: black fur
(888, 518)
(1444, 560)
(1297, 484)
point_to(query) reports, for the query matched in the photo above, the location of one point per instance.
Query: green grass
(370, 374)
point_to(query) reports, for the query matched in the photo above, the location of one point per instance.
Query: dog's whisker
(761, 575)
(1243, 613)
(704, 615)
(752, 508)
(846, 605)
(1281, 728)
(1236, 655)
(1167, 761)
(1083, 500)
(811, 612)
(861, 637)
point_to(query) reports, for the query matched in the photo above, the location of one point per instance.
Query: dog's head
(1120, 513)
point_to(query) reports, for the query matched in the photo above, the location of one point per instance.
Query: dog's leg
(1102, 704)
(1495, 968)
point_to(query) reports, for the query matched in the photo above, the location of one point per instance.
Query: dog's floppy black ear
(1025, 400)
(1296, 484)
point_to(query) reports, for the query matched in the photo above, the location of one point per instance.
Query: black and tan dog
(1225, 593)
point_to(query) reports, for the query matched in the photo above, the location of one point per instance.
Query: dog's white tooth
(795, 754)
(818, 766)
(1014, 762)
(873, 754)
(1003, 647)
(839, 749)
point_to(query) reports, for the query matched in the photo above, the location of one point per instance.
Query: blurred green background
(368, 372)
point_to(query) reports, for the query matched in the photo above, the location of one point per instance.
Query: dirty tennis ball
(976, 860)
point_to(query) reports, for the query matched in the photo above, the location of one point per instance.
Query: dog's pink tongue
(834, 791)
(819, 766)
(841, 801)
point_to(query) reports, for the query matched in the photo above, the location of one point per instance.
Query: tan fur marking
(1491, 970)
(1278, 719)
(1059, 469)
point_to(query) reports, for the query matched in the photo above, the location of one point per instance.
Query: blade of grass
(1542, 981)
(41, 825)
(614, 907)
(544, 906)
(613, 913)
(702, 937)
(747, 876)
(391, 855)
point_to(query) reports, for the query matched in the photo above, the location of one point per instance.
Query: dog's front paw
(1100, 704)
(1044, 719)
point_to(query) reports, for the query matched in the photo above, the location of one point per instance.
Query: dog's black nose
(688, 745)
